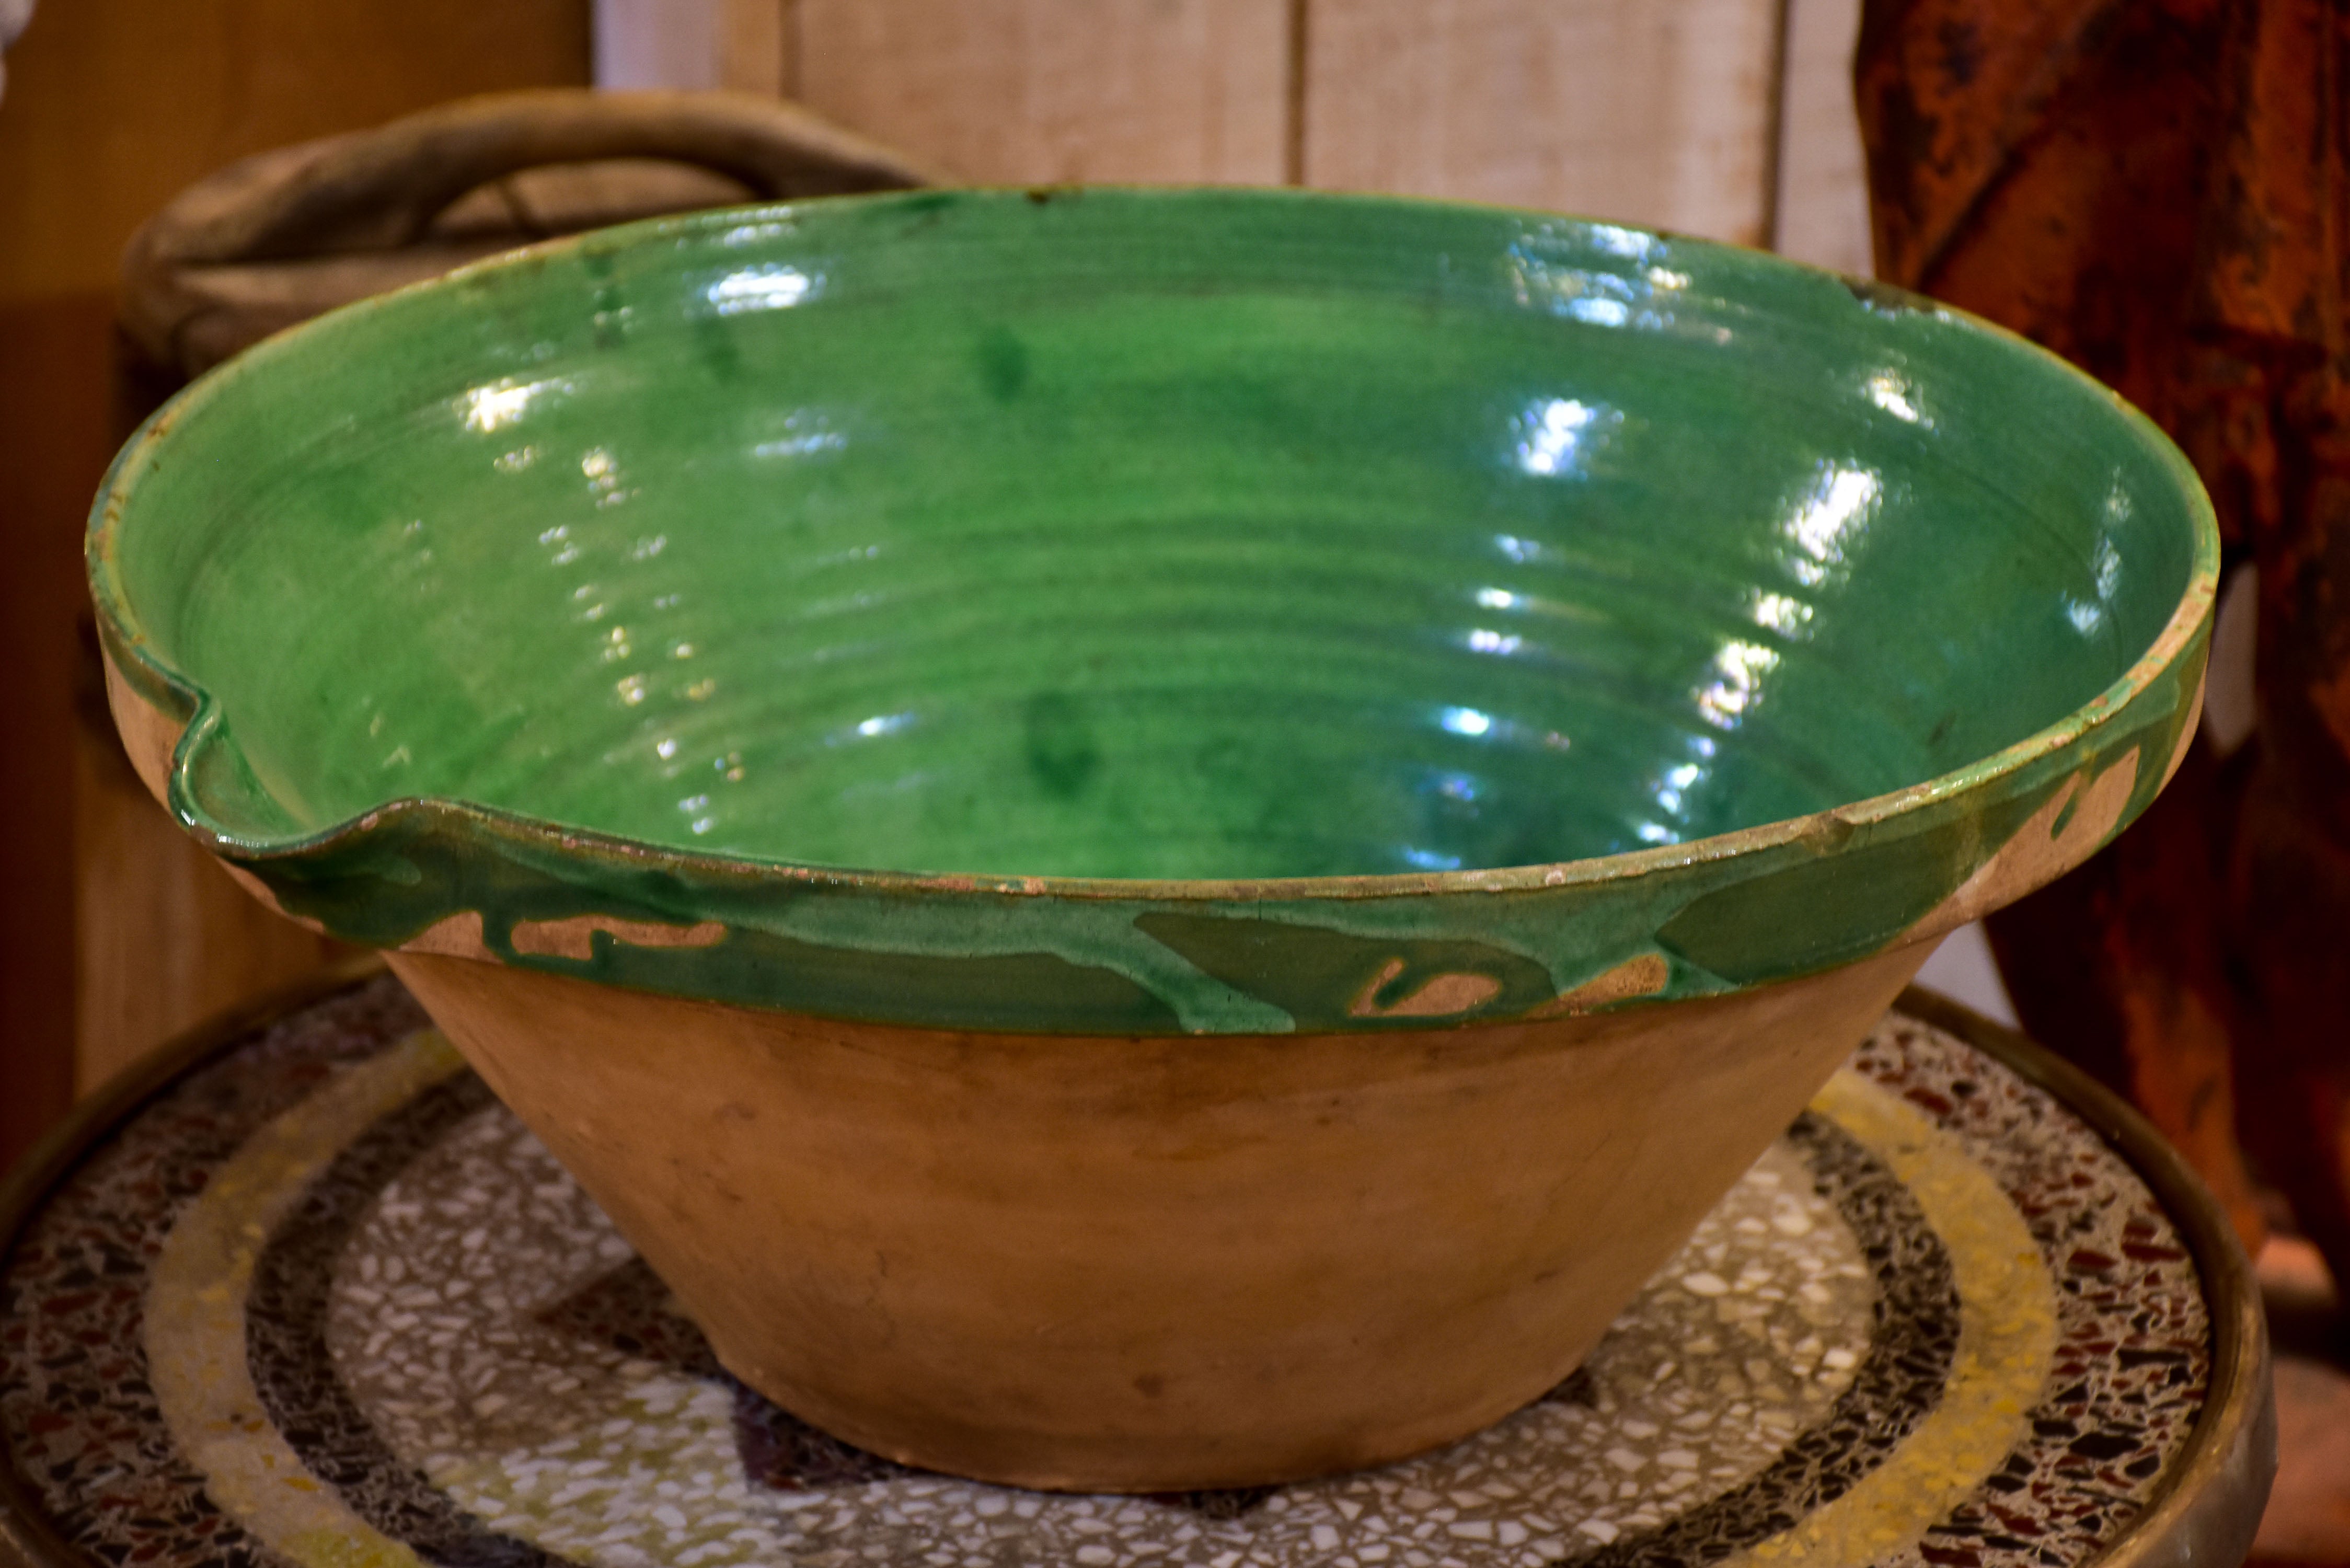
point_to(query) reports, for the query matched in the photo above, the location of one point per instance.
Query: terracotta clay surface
(1147, 1265)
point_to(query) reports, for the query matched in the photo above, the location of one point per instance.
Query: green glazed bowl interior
(1146, 544)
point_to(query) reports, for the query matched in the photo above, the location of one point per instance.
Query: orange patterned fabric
(2159, 190)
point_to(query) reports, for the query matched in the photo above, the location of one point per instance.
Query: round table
(300, 1290)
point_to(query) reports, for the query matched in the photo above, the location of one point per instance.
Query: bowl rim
(125, 640)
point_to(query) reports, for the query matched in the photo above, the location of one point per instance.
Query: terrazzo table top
(303, 1293)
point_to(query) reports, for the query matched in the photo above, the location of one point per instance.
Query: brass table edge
(2207, 1508)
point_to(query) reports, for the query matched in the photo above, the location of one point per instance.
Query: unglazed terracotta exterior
(1151, 839)
(1155, 1265)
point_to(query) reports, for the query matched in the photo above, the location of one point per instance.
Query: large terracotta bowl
(1150, 839)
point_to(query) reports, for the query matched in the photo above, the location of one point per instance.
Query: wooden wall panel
(1037, 92)
(54, 442)
(113, 106)
(739, 45)
(1823, 184)
(1654, 111)
(754, 46)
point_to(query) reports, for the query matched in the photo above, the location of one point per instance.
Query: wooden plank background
(1662, 112)
(1731, 119)
(1043, 91)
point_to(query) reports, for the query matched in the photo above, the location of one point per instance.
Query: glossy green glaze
(1139, 611)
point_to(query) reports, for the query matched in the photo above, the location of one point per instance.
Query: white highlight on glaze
(754, 233)
(1781, 613)
(1555, 435)
(771, 285)
(497, 405)
(1897, 394)
(1676, 780)
(806, 435)
(1829, 520)
(1630, 243)
(1737, 684)
(1484, 640)
(2106, 578)
(1672, 789)
(1465, 720)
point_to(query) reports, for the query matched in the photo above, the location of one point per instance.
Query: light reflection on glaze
(1677, 780)
(755, 234)
(1630, 243)
(1671, 791)
(1828, 522)
(499, 405)
(2105, 571)
(1897, 394)
(2105, 566)
(806, 435)
(1555, 435)
(1825, 526)
(1484, 639)
(1782, 613)
(1552, 269)
(771, 285)
(1501, 598)
(602, 473)
(1737, 684)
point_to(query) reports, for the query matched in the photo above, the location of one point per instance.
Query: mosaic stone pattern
(590, 1424)
(77, 1418)
(2134, 1356)
(448, 1333)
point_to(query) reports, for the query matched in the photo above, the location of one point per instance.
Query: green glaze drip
(1139, 612)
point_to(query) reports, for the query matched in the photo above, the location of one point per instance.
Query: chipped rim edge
(2207, 1507)
(201, 715)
